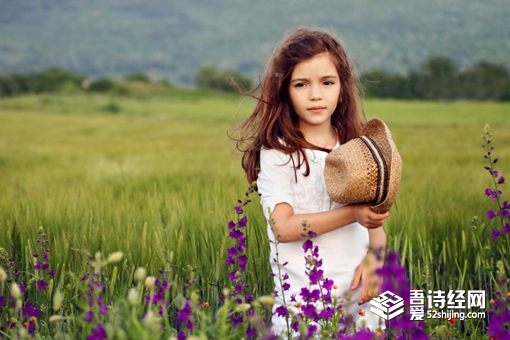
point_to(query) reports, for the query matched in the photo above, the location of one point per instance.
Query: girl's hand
(369, 219)
(370, 281)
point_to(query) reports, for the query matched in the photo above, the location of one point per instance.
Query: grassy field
(156, 176)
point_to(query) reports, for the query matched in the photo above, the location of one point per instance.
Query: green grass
(158, 179)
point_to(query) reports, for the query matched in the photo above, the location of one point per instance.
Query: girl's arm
(365, 273)
(288, 226)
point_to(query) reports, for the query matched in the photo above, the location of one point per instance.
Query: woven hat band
(382, 169)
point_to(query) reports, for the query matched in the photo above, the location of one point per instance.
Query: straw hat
(365, 169)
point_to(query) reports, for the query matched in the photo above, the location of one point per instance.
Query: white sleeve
(275, 179)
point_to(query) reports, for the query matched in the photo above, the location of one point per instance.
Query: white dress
(342, 249)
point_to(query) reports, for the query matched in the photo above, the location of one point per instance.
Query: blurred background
(115, 118)
(181, 42)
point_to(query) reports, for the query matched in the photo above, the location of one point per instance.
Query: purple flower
(103, 309)
(311, 331)
(31, 326)
(495, 234)
(395, 280)
(41, 285)
(41, 266)
(309, 311)
(236, 234)
(315, 276)
(307, 245)
(286, 286)
(281, 311)
(490, 214)
(250, 333)
(29, 311)
(493, 194)
(236, 319)
(238, 209)
(328, 284)
(98, 333)
(22, 287)
(501, 180)
(231, 225)
(327, 313)
(363, 334)
(506, 228)
(243, 222)
(89, 315)
(243, 261)
(184, 315)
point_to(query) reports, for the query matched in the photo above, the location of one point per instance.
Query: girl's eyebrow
(322, 78)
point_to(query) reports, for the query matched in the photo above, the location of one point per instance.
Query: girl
(308, 105)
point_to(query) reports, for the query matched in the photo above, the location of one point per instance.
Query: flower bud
(243, 307)
(57, 300)
(132, 297)
(151, 321)
(3, 275)
(266, 300)
(16, 291)
(140, 274)
(115, 257)
(150, 281)
(56, 318)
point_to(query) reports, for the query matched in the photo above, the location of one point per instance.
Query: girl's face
(314, 90)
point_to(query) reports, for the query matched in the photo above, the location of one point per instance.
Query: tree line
(438, 78)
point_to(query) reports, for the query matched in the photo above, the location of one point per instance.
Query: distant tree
(49, 80)
(386, 85)
(101, 85)
(226, 81)
(137, 76)
(485, 80)
(437, 78)
(53, 79)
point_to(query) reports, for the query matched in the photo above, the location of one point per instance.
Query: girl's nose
(315, 93)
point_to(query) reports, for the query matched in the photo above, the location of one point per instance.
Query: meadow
(156, 176)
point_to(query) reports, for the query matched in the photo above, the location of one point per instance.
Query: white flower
(56, 318)
(3, 275)
(115, 257)
(151, 321)
(16, 291)
(140, 274)
(150, 281)
(57, 300)
(266, 300)
(243, 307)
(132, 297)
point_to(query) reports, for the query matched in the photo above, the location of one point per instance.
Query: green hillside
(171, 39)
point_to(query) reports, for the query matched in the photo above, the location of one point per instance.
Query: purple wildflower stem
(503, 212)
(284, 309)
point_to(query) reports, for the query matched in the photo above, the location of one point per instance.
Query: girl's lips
(316, 108)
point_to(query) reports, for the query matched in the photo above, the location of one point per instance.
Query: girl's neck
(323, 136)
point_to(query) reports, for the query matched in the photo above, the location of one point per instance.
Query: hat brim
(379, 131)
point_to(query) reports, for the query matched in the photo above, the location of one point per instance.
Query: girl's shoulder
(274, 156)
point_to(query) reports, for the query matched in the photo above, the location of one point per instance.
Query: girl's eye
(329, 82)
(299, 84)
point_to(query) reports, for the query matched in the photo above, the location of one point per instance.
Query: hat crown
(366, 169)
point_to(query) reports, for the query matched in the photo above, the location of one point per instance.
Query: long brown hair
(273, 124)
